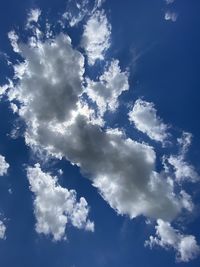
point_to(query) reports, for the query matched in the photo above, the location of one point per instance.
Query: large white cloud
(96, 37)
(3, 166)
(185, 246)
(55, 206)
(108, 88)
(49, 89)
(145, 118)
(48, 83)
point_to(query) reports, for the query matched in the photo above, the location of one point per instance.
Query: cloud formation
(185, 246)
(48, 91)
(96, 37)
(55, 206)
(145, 118)
(33, 16)
(3, 166)
(182, 170)
(122, 169)
(108, 88)
(171, 16)
(2, 230)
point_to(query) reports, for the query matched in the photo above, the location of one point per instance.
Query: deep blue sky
(166, 73)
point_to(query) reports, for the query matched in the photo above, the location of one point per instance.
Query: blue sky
(99, 137)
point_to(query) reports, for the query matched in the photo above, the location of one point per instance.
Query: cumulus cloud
(76, 11)
(33, 16)
(123, 170)
(49, 74)
(183, 170)
(108, 88)
(55, 206)
(3, 166)
(49, 87)
(145, 118)
(185, 246)
(2, 230)
(171, 16)
(96, 37)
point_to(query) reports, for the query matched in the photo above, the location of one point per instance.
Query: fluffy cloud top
(144, 116)
(34, 15)
(55, 206)
(47, 71)
(2, 230)
(96, 37)
(106, 91)
(3, 166)
(185, 246)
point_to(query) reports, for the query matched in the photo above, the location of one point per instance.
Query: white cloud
(2, 230)
(184, 142)
(185, 246)
(172, 16)
(169, 1)
(13, 37)
(3, 166)
(49, 92)
(96, 37)
(144, 116)
(55, 206)
(106, 91)
(75, 12)
(33, 16)
(123, 170)
(49, 74)
(183, 170)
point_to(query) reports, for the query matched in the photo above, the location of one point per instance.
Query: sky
(99, 136)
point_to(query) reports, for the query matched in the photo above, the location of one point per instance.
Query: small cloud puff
(171, 16)
(3, 166)
(145, 118)
(55, 206)
(185, 246)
